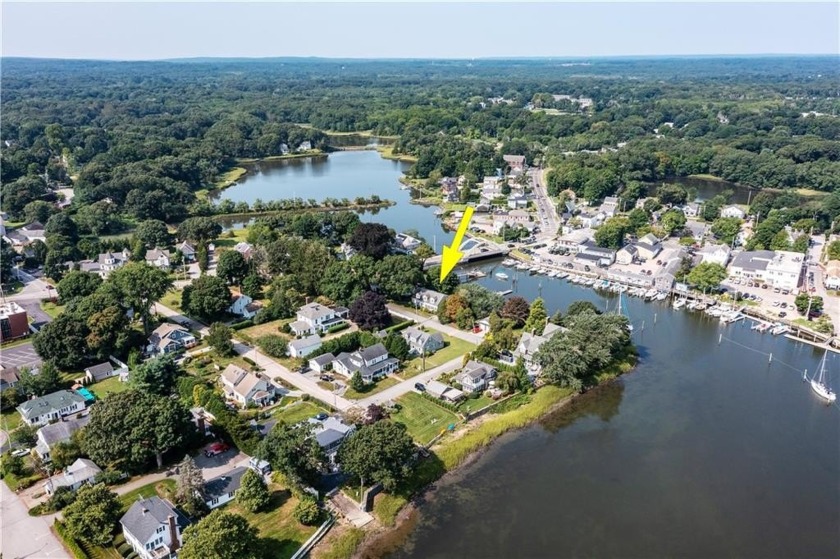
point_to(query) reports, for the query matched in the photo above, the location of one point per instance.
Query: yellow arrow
(451, 255)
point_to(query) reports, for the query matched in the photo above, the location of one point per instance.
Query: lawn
(172, 299)
(51, 308)
(381, 385)
(282, 535)
(108, 386)
(230, 237)
(11, 420)
(455, 347)
(273, 327)
(163, 488)
(475, 404)
(297, 412)
(424, 419)
(229, 177)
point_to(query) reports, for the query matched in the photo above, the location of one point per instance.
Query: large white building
(780, 268)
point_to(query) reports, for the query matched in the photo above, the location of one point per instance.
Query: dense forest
(137, 140)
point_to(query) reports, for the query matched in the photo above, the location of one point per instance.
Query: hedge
(401, 326)
(338, 328)
(242, 324)
(249, 361)
(69, 542)
(445, 405)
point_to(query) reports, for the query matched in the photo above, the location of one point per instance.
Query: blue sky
(118, 30)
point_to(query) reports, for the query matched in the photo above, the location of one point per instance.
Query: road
(33, 290)
(549, 220)
(433, 323)
(407, 385)
(24, 535)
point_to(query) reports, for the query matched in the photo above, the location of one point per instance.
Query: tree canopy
(378, 453)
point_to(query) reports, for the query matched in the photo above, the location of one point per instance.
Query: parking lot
(20, 356)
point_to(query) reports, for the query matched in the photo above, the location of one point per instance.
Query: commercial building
(13, 322)
(780, 268)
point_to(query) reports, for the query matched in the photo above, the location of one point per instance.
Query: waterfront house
(601, 256)
(427, 299)
(153, 527)
(421, 342)
(75, 475)
(305, 146)
(475, 376)
(53, 433)
(330, 433)
(304, 346)
(648, 247)
(780, 268)
(667, 276)
(222, 489)
(244, 387)
(691, 209)
(627, 254)
(733, 211)
(50, 407)
(322, 362)
(530, 343)
(168, 338)
(443, 392)
(372, 363)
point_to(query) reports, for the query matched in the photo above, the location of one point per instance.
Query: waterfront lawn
(377, 387)
(297, 412)
(455, 347)
(475, 404)
(280, 534)
(229, 177)
(423, 419)
(108, 386)
(164, 488)
(341, 542)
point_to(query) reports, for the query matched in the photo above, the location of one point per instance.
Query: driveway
(407, 385)
(214, 466)
(20, 356)
(24, 535)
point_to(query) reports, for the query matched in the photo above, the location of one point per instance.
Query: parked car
(326, 378)
(322, 416)
(215, 449)
(420, 386)
(777, 290)
(782, 314)
(784, 305)
(21, 452)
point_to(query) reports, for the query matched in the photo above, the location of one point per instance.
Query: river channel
(707, 449)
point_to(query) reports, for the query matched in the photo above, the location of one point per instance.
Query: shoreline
(385, 538)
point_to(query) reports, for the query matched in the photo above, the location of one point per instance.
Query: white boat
(661, 296)
(819, 386)
(779, 329)
(679, 303)
(502, 276)
(619, 311)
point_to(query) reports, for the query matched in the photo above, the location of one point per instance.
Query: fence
(307, 546)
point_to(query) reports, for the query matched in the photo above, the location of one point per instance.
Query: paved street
(407, 385)
(549, 220)
(24, 535)
(433, 323)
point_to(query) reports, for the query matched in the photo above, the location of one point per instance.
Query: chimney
(173, 533)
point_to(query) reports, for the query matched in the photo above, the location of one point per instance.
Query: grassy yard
(231, 237)
(282, 535)
(423, 418)
(52, 309)
(455, 347)
(164, 488)
(273, 327)
(10, 420)
(172, 299)
(381, 385)
(341, 546)
(475, 404)
(108, 386)
(297, 412)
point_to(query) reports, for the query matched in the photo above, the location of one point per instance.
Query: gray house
(54, 433)
(40, 411)
(75, 475)
(476, 376)
(222, 489)
(421, 342)
(153, 527)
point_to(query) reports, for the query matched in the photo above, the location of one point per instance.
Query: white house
(516, 162)
(648, 247)
(222, 489)
(443, 392)
(153, 528)
(591, 220)
(245, 387)
(601, 256)
(322, 363)
(716, 254)
(102, 371)
(75, 475)
(831, 275)
(40, 411)
(573, 240)
(781, 268)
(315, 317)
(626, 254)
(609, 206)
(304, 346)
(158, 258)
(733, 211)
(372, 363)
(107, 262)
(529, 344)
(244, 306)
(167, 338)
(53, 433)
(475, 376)
(427, 299)
(421, 342)
(691, 209)
(187, 250)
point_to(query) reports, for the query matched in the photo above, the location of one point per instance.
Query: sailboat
(618, 311)
(819, 386)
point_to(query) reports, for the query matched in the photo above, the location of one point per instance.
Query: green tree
(46, 381)
(189, 494)
(293, 451)
(207, 298)
(153, 233)
(537, 317)
(38, 211)
(232, 267)
(155, 376)
(77, 284)
(252, 286)
(447, 286)
(202, 257)
(306, 511)
(63, 342)
(253, 494)
(377, 453)
(129, 428)
(141, 285)
(673, 194)
(833, 250)
(24, 435)
(396, 346)
(220, 339)
(65, 453)
(273, 345)
(638, 218)
(93, 515)
(199, 229)
(611, 233)
(481, 300)
(706, 276)
(725, 229)
(356, 382)
(803, 300)
(398, 276)
(673, 221)
(109, 332)
(221, 535)
(801, 244)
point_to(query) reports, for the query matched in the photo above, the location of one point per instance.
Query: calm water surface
(705, 450)
(343, 174)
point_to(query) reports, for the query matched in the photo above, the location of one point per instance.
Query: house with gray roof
(154, 527)
(9, 377)
(322, 362)
(222, 489)
(372, 363)
(102, 371)
(427, 299)
(330, 433)
(421, 342)
(648, 247)
(168, 338)
(40, 411)
(530, 343)
(245, 387)
(187, 250)
(159, 258)
(314, 317)
(75, 475)
(59, 432)
(476, 376)
(304, 346)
